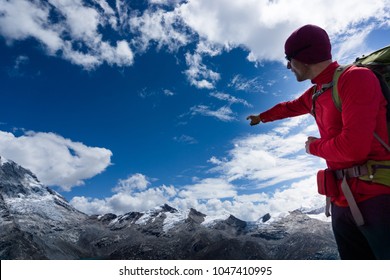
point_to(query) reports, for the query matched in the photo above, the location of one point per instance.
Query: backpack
(379, 63)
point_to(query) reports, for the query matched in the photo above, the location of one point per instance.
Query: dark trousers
(370, 241)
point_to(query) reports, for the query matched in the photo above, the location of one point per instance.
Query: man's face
(300, 69)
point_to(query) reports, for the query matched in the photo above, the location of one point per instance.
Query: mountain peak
(16, 180)
(24, 195)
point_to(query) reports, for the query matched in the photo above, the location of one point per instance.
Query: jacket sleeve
(360, 95)
(300, 106)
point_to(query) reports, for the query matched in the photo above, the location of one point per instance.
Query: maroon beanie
(309, 44)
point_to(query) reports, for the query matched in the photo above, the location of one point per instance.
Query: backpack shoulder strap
(335, 91)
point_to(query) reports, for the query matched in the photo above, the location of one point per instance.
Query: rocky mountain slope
(37, 223)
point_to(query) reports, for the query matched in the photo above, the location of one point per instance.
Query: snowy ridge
(212, 220)
(174, 219)
(3, 160)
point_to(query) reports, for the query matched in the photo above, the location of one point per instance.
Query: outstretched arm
(297, 107)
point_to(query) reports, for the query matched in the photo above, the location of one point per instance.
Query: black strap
(317, 94)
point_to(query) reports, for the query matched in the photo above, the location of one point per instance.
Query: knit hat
(309, 44)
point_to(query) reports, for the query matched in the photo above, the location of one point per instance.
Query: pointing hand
(254, 119)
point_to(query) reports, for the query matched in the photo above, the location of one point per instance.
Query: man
(346, 139)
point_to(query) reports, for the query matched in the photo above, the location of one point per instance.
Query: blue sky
(125, 105)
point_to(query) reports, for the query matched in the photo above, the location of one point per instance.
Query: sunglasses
(291, 56)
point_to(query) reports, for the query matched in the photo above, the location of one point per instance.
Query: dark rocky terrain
(37, 223)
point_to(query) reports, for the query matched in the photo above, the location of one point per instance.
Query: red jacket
(346, 138)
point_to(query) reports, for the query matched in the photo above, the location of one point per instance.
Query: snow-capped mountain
(37, 223)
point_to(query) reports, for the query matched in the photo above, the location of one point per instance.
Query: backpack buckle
(352, 172)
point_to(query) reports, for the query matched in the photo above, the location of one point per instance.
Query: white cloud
(131, 194)
(19, 66)
(198, 74)
(81, 21)
(229, 98)
(166, 2)
(263, 26)
(185, 139)
(352, 44)
(223, 114)
(249, 85)
(160, 27)
(168, 92)
(109, 13)
(135, 182)
(304, 123)
(55, 160)
(74, 33)
(121, 54)
(92, 205)
(22, 19)
(209, 188)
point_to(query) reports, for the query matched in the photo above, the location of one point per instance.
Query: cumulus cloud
(163, 28)
(263, 26)
(198, 73)
(23, 19)
(73, 34)
(134, 193)
(209, 188)
(135, 182)
(56, 161)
